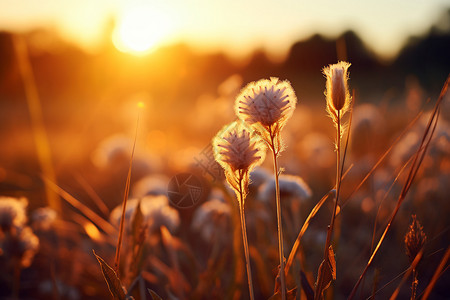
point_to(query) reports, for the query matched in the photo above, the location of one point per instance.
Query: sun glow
(141, 29)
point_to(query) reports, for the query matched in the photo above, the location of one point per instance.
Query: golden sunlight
(141, 29)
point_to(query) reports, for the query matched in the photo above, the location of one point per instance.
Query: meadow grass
(159, 251)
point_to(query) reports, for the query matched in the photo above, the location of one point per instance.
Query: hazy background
(93, 61)
(236, 27)
(186, 60)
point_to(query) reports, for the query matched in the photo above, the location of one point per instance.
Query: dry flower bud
(238, 151)
(338, 96)
(414, 239)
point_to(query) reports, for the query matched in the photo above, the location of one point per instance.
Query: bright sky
(237, 26)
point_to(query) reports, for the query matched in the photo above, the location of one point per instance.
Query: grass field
(82, 135)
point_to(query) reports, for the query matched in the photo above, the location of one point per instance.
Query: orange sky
(236, 26)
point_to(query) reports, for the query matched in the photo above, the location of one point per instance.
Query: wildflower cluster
(18, 243)
(264, 107)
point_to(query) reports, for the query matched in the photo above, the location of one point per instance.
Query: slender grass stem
(338, 182)
(417, 161)
(338, 187)
(40, 136)
(245, 240)
(279, 220)
(407, 274)
(124, 203)
(439, 271)
(414, 284)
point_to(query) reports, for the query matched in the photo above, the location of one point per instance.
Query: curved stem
(279, 223)
(338, 188)
(245, 241)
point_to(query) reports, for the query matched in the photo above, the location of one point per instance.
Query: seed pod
(338, 96)
(414, 239)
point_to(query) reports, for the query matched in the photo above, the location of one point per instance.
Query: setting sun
(141, 29)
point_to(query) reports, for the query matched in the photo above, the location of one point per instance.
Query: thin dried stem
(303, 229)
(98, 220)
(124, 203)
(338, 187)
(245, 241)
(37, 120)
(338, 182)
(305, 226)
(381, 159)
(386, 285)
(436, 275)
(279, 220)
(411, 269)
(418, 158)
(414, 283)
(92, 194)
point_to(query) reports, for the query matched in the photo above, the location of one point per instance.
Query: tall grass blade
(407, 274)
(36, 117)
(92, 194)
(169, 243)
(381, 159)
(436, 275)
(305, 226)
(419, 155)
(125, 198)
(99, 221)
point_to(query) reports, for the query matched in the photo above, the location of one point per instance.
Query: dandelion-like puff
(238, 151)
(265, 106)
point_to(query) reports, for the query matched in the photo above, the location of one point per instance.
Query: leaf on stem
(326, 274)
(113, 282)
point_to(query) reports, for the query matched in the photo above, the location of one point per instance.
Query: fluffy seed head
(291, 186)
(27, 246)
(265, 106)
(156, 212)
(414, 239)
(238, 151)
(213, 221)
(12, 213)
(43, 218)
(338, 96)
